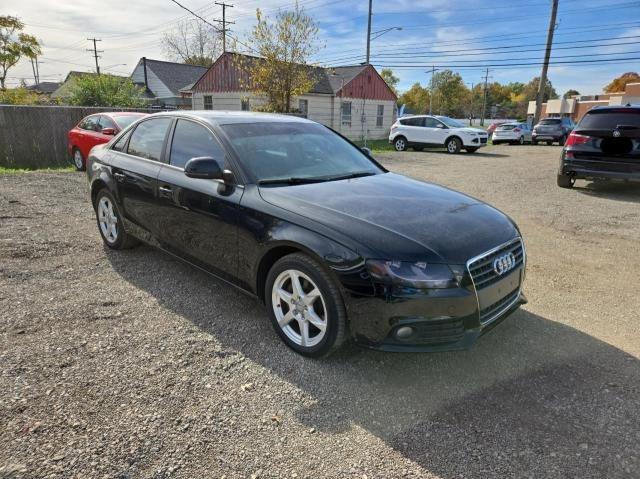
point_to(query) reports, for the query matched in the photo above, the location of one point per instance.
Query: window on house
(208, 102)
(346, 113)
(303, 106)
(244, 104)
(380, 115)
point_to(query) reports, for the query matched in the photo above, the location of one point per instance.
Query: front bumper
(475, 141)
(440, 319)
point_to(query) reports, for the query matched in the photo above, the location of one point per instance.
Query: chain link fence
(33, 136)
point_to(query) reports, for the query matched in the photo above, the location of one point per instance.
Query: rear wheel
(521, 140)
(110, 222)
(453, 145)
(534, 142)
(78, 160)
(400, 143)
(305, 305)
(565, 181)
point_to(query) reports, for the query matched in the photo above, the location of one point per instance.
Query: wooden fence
(36, 136)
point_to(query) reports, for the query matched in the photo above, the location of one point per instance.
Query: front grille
(481, 268)
(483, 140)
(494, 310)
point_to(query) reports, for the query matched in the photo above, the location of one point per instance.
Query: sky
(466, 36)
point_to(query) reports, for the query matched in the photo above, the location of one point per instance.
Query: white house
(353, 100)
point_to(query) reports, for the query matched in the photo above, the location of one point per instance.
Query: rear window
(609, 120)
(551, 121)
(416, 121)
(509, 126)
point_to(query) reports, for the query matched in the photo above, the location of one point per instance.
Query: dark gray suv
(551, 130)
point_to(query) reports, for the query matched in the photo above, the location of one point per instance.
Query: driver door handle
(165, 192)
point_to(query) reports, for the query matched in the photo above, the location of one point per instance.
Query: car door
(198, 217)
(412, 129)
(435, 131)
(135, 163)
(86, 134)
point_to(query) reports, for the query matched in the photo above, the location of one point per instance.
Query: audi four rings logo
(616, 133)
(504, 263)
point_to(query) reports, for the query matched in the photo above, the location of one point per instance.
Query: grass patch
(18, 171)
(376, 145)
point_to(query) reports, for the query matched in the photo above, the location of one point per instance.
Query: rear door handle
(120, 177)
(165, 192)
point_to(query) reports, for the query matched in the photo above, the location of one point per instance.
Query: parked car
(605, 145)
(424, 130)
(512, 133)
(95, 130)
(492, 127)
(552, 130)
(292, 213)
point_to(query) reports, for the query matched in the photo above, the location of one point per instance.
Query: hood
(397, 218)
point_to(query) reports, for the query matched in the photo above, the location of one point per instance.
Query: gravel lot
(132, 364)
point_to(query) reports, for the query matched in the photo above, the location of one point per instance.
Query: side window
(191, 140)
(106, 122)
(148, 137)
(432, 123)
(90, 123)
(208, 102)
(417, 121)
(120, 144)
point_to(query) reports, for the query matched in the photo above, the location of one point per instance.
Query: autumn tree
(619, 84)
(450, 95)
(415, 98)
(14, 44)
(106, 90)
(284, 47)
(192, 42)
(390, 79)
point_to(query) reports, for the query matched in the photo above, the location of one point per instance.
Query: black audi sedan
(332, 243)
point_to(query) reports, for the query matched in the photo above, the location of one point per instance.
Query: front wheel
(305, 305)
(400, 143)
(454, 145)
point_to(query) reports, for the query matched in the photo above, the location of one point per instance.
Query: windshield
(450, 122)
(124, 121)
(286, 150)
(550, 121)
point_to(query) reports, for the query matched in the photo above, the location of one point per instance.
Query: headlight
(414, 275)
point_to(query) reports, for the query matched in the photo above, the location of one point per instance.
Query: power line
(95, 52)
(493, 66)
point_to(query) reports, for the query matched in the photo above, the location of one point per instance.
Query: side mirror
(366, 151)
(108, 131)
(204, 167)
(440, 125)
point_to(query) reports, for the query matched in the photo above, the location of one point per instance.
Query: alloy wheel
(400, 145)
(108, 220)
(522, 140)
(77, 159)
(299, 308)
(452, 146)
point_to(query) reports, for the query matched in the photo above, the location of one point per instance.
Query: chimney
(144, 67)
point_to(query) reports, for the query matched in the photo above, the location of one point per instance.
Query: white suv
(424, 130)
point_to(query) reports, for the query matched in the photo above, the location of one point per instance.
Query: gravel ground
(133, 364)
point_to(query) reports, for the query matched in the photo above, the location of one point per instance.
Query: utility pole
(433, 72)
(95, 52)
(545, 65)
(471, 112)
(224, 24)
(484, 99)
(369, 32)
(36, 70)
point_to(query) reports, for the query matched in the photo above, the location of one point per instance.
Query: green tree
(14, 44)
(570, 93)
(20, 96)
(415, 98)
(391, 80)
(618, 84)
(106, 90)
(450, 95)
(284, 47)
(530, 90)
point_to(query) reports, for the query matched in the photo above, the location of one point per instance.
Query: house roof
(175, 76)
(45, 86)
(339, 76)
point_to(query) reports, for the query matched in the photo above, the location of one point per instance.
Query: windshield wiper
(318, 179)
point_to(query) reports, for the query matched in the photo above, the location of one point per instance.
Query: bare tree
(192, 42)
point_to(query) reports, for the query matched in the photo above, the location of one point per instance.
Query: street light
(379, 33)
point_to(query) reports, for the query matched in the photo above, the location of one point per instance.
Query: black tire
(453, 145)
(77, 159)
(562, 140)
(335, 313)
(122, 240)
(471, 150)
(565, 181)
(549, 143)
(521, 140)
(400, 143)
(534, 142)
(495, 142)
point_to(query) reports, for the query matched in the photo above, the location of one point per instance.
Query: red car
(94, 130)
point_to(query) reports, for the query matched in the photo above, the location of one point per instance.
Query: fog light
(404, 332)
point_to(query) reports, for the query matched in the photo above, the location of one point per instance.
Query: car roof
(123, 113)
(221, 117)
